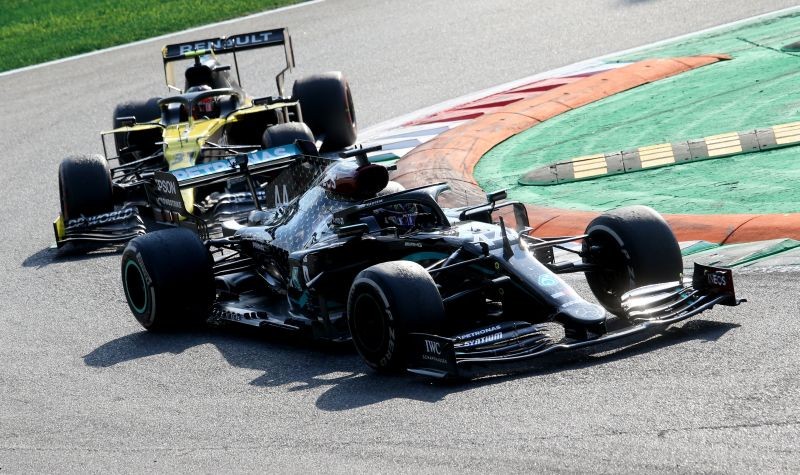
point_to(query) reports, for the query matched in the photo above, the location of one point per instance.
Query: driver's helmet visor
(404, 216)
(204, 108)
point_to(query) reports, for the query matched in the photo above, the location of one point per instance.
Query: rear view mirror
(496, 196)
(128, 121)
(353, 230)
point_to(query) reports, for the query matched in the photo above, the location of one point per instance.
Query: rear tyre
(133, 146)
(633, 246)
(327, 107)
(386, 302)
(84, 186)
(168, 280)
(286, 134)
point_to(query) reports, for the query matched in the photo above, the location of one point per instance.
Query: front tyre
(168, 280)
(632, 247)
(327, 107)
(84, 186)
(386, 302)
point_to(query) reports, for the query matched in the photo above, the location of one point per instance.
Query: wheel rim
(135, 287)
(615, 275)
(369, 325)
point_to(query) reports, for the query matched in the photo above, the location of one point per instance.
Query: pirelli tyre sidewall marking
(385, 359)
(146, 311)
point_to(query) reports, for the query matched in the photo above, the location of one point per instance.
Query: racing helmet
(206, 108)
(404, 216)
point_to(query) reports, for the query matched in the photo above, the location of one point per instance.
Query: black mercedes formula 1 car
(445, 293)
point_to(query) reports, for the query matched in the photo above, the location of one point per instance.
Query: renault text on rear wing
(241, 42)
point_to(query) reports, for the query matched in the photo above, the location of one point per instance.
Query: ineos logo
(433, 347)
(717, 279)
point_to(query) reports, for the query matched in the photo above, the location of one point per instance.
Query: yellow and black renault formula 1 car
(210, 119)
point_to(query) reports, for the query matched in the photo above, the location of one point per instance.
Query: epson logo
(166, 186)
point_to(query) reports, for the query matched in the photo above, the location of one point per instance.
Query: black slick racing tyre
(386, 302)
(141, 144)
(84, 186)
(633, 247)
(286, 134)
(168, 279)
(327, 107)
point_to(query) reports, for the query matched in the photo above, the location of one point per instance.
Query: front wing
(509, 346)
(114, 227)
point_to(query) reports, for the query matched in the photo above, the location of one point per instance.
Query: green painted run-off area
(759, 88)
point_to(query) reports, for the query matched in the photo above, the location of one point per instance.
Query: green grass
(34, 31)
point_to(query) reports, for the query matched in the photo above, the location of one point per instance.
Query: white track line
(157, 38)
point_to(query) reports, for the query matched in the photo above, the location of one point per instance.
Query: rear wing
(258, 162)
(231, 44)
(288, 183)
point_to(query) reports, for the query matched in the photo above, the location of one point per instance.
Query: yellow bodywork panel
(58, 227)
(182, 144)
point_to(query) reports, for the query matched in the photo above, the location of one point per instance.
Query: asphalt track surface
(82, 388)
